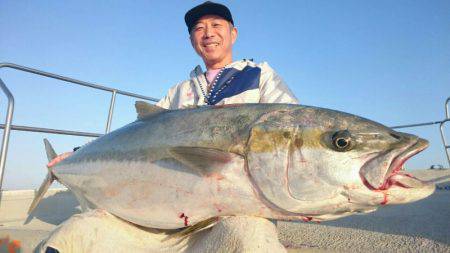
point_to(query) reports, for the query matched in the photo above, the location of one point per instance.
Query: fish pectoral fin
(145, 109)
(203, 160)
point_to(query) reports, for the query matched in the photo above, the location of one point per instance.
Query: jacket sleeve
(168, 101)
(272, 87)
(164, 102)
(179, 96)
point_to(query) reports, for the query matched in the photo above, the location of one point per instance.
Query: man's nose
(208, 31)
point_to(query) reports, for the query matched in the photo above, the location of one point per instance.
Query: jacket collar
(197, 76)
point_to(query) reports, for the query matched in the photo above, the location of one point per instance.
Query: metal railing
(10, 110)
(441, 128)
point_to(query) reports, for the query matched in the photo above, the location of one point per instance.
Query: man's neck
(217, 65)
(211, 74)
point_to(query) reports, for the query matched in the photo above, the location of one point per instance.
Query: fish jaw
(376, 173)
(405, 188)
(395, 185)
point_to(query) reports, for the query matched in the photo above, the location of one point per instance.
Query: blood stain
(306, 219)
(385, 199)
(183, 216)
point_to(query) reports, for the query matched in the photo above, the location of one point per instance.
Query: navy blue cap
(206, 8)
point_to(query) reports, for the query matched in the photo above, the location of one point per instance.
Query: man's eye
(217, 25)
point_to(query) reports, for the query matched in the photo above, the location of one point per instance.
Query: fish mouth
(383, 177)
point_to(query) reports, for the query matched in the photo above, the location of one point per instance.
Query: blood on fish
(408, 175)
(302, 157)
(216, 176)
(306, 219)
(183, 216)
(218, 207)
(385, 198)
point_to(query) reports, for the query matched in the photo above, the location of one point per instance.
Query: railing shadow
(56, 209)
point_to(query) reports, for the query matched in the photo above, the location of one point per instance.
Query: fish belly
(163, 194)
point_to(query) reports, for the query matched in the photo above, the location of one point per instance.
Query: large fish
(175, 168)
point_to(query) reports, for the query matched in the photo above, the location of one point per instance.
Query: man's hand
(58, 159)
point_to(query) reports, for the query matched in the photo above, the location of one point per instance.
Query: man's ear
(234, 34)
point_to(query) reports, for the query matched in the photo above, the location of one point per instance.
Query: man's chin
(212, 61)
(212, 55)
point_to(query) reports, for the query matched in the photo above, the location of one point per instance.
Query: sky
(388, 61)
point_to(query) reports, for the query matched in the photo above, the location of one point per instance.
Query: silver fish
(175, 168)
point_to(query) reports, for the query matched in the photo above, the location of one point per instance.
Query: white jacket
(239, 82)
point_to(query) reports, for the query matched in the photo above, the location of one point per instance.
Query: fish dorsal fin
(144, 109)
(203, 160)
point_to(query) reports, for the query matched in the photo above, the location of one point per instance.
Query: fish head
(326, 164)
(367, 159)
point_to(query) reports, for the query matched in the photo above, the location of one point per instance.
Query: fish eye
(342, 141)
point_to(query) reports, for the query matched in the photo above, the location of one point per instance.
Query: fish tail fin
(41, 192)
(51, 154)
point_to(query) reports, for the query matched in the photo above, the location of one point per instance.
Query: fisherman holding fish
(212, 35)
(213, 185)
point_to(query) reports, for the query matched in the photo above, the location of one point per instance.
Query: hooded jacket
(239, 82)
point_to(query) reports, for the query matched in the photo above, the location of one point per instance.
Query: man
(212, 35)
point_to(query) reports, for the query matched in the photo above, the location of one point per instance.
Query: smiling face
(213, 38)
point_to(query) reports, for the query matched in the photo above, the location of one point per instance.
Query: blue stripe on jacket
(233, 82)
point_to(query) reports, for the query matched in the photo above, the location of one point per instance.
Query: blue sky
(384, 60)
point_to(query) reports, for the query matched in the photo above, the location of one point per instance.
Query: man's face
(213, 38)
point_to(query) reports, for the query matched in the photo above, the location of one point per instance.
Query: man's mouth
(210, 44)
(395, 174)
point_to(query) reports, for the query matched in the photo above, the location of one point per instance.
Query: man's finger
(58, 159)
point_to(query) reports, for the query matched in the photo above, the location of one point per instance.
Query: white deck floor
(423, 226)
